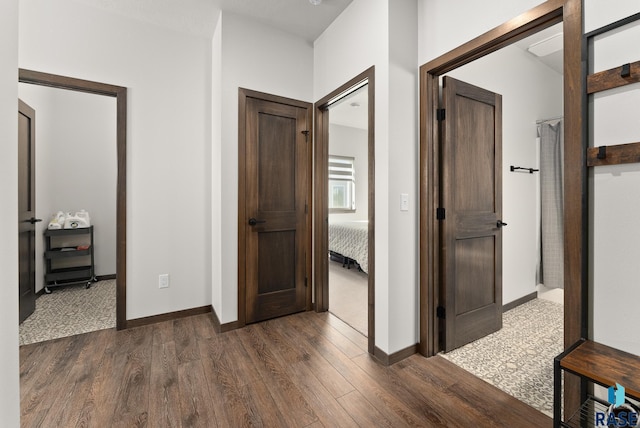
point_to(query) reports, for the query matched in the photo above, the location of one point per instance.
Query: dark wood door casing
(120, 93)
(570, 13)
(26, 209)
(471, 195)
(321, 213)
(274, 250)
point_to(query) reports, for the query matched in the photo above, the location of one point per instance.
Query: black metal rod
(519, 168)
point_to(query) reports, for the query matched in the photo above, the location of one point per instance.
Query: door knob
(500, 223)
(253, 221)
(34, 220)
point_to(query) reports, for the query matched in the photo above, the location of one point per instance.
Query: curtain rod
(538, 122)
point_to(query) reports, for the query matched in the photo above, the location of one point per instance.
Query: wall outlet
(163, 280)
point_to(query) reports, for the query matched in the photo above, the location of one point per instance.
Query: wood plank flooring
(304, 370)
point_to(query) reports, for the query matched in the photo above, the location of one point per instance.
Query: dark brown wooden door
(26, 210)
(471, 195)
(277, 183)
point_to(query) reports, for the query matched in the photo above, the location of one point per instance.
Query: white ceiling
(297, 17)
(293, 16)
(554, 59)
(351, 110)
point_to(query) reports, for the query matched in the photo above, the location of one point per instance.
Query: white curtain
(551, 265)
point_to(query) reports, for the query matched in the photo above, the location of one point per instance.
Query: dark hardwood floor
(304, 370)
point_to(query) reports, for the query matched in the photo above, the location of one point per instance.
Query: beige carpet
(348, 293)
(71, 310)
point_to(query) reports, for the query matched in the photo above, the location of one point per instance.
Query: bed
(350, 239)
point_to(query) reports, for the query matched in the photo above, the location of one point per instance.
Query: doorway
(348, 209)
(346, 220)
(570, 13)
(120, 93)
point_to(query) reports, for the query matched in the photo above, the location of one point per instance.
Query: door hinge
(306, 280)
(306, 208)
(440, 312)
(440, 114)
(306, 135)
(440, 214)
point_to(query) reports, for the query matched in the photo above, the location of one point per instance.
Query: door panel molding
(321, 213)
(570, 13)
(120, 93)
(245, 97)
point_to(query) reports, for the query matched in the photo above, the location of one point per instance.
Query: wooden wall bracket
(613, 155)
(613, 78)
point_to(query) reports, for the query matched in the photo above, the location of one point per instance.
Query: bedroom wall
(530, 91)
(615, 225)
(75, 165)
(260, 58)
(353, 142)
(169, 123)
(9, 357)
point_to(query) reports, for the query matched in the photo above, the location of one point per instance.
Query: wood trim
(575, 184)
(243, 94)
(222, 328)
(614, 155)
(138, 322)
(536, 19)
(106, 277)
(387, 360)
(520, 301)
(321, 267)
(612, 78)
(120, 93)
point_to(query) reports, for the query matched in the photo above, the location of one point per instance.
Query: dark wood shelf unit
(83, 271)
(599, 364)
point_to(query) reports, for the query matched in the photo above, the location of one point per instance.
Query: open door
(471, 213)
(26, 210)
(276, 208)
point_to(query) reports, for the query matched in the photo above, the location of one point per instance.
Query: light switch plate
(404, 202)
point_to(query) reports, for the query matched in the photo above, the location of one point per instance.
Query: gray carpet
(348, 293)
(71, 310)
(519, 358)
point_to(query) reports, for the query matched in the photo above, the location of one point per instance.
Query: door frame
(120, 93)
(321, 197)
(243, 94)
(551, 12)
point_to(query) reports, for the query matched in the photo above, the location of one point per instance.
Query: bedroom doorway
(344, 228)
(348, 213)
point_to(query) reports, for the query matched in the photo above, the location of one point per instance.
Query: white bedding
(351, 239)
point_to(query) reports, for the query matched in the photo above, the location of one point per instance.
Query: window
(342, 184)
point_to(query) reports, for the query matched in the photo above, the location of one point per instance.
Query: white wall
(352, 142)
(260, 58)
(403, 291)
(384, 34)
(75, 165)
(216, 167)
(530, 91)
(9, 360)
(169, 121)
(445, 25)
(615, 225)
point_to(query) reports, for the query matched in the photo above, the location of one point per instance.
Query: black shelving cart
(69, 257)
